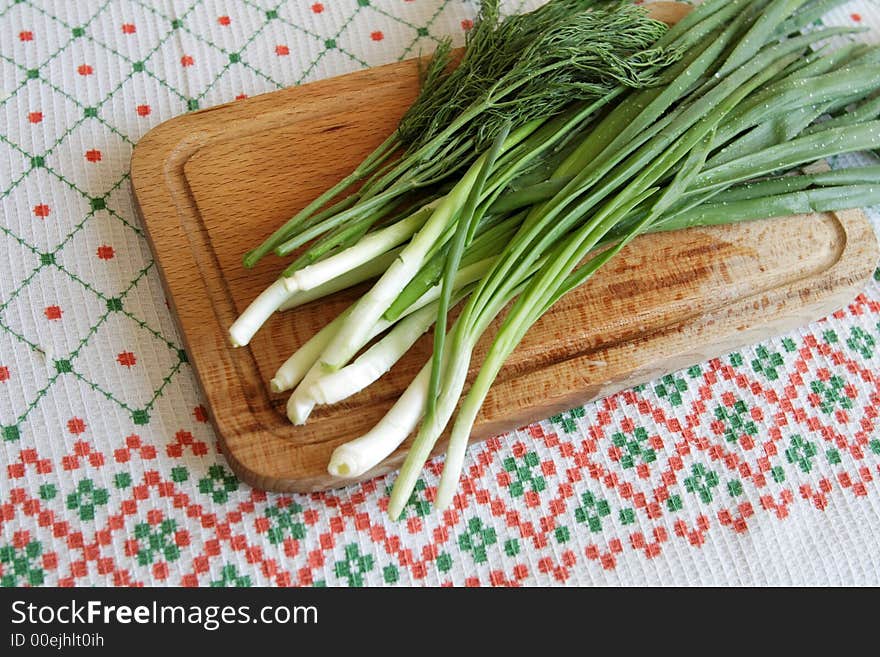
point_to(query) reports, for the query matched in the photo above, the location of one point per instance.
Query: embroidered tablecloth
(758, 467)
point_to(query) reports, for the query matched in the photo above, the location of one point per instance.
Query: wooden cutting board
(211, 184)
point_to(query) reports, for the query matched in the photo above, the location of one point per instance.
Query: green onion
(562, 136)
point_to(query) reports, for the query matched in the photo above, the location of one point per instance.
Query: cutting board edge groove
(164, 152)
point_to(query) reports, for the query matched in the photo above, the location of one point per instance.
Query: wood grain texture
(210, 184)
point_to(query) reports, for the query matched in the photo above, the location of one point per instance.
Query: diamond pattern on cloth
(759, 467)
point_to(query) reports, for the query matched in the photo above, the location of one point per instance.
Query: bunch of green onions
(562, 135)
